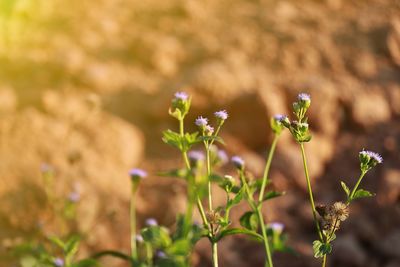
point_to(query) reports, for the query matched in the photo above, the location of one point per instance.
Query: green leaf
(178, 173)
(112, 253)
(86, 263)
(57, 241)
(235, 231)
(249, 220)
(321, 249)
(172, 138)
(345, 188)
(236, 200)
(180, 247)
(158, 236)
(360, 193)
(272, 194)
(71, 246)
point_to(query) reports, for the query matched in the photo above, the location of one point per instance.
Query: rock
(394, 263)
(82, 145)
(390, 186)
(370, 108)
(390, 244)
(8, 100)
(393, 40)
(348, 252)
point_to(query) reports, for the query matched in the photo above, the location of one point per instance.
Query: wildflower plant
(331, 215)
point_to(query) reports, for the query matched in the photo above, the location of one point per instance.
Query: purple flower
(181, 96)
(58, 262)
(209, 130)
(139, 238)
(279, 117)
(221, 115)
(46, 168)
(201, 122)
(151, 222)
(222, 156)
(304, 97)
(138, 173)
(371, 155)
(161, 254)
(238, 162)
(277, 227)
(74, 197)
(196, 155)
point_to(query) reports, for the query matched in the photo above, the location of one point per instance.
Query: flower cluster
(369, 159)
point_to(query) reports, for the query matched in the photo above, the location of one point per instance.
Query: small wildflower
(181, 96)
(138, 174)
(58, 262)
(201, 122)
(277, 227)
(151, 222)
(46, 168)
(139, 238)
(74, 197)
(277, 123)
(209, 130)
(195, 156)
(303, 97)
(221, 115)
(222, 156)
(340, 210)
(369, 159)
(161, 254)
(238, 162)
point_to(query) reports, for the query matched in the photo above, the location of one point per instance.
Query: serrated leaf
(361, 193)
(180, 247)
(172, 138)
(112, 253)
(345, 188)
(71, 246)
(249, 220)
(235, 231)
(85, 263)
(236, 200)
(57, 241)
(156, 235)
(272, 194)
(321, 249)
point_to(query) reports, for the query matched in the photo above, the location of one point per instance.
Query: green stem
(265, 237)
(214, 254)
(210, 205)
(356, 186)
(149, 255)
(187, 163)
(314, 212)
(267, 167)
(324, 260)
(133, 223)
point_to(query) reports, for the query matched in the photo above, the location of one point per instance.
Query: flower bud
(238, 162)
(221, 116)
(180, 105)
(304, 100)
(369, 159)
(201, 123)
(277, 123)
(151, 222)
(137, 175)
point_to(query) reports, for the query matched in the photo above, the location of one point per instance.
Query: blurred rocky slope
(78, 81)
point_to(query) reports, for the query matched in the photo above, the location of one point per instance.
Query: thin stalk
(314, 212)
(267, 167)
(187, 163)
(261, 220)
(356, 186)
(133, 223)
(149, 255)
(210, 205)
(265, 237)
(214, 254)
(324, 260)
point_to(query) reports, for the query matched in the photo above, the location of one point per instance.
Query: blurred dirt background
(85, 87)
